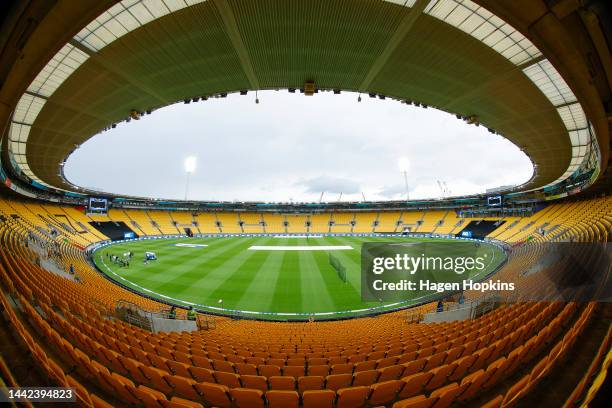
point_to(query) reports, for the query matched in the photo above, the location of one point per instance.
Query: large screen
(494, 201)
(97, 205)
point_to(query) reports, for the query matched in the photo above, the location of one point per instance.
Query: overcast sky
(292, 147)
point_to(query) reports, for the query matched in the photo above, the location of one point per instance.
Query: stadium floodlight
(404, 165)
(190, 166)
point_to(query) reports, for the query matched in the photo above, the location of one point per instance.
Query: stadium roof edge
(59, 25)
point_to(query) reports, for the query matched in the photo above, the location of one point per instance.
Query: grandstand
(377, 361)
(537, 72)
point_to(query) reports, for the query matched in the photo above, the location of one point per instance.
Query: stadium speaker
(309, 88)
(473, 120)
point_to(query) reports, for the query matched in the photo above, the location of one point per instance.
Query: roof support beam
(231, 28)
(34, 94)
(22, 124)
(398, 36)
(566, 104)
(82, 47)
(529, 63)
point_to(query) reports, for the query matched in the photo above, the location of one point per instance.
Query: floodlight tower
(190, 166)
(404, 164)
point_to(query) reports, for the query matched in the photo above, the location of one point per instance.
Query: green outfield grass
(260, 281)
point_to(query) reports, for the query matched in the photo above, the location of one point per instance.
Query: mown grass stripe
(221, 268)
(256, 295)
(313, 283)
(183, 275)
(287, 294)
(240, 277)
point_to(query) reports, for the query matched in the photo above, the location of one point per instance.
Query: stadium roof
(512, 65)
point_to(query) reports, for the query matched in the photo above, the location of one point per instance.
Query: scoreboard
(494, 201)
(97, 205)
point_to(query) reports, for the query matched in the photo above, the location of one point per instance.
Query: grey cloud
(330, 184)
(393, 191)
